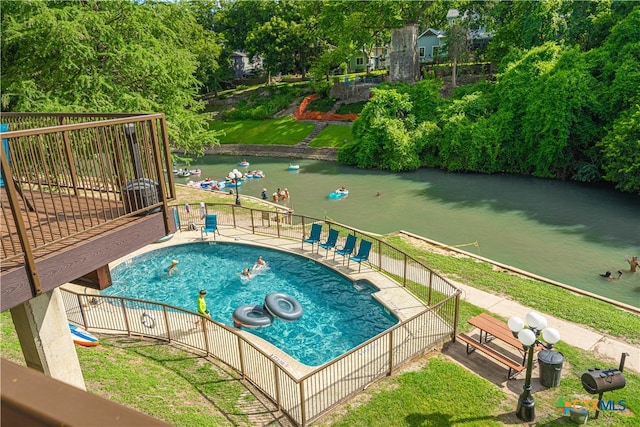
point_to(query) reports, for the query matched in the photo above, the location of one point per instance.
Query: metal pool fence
(302, 399)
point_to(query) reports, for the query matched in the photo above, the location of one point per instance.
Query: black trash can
(140, 193)
(550, 363)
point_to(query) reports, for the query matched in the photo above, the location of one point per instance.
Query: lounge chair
(362, 255)
(210, 225)
(332, 239)
(347, 249)
(314, 237)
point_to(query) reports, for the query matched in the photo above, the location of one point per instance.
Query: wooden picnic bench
(473, 344)
(490, 329)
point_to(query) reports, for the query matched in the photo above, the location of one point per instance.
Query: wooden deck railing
(70, 177)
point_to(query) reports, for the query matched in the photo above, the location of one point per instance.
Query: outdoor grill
(597, 381)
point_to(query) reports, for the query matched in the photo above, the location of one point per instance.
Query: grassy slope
(332, 136)
(284, 131)
(160, 380)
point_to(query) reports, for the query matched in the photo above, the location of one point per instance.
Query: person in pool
(246, 273)
(172, 267)
(260, 263)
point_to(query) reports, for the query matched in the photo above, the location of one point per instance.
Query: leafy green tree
(621, 151)
(425, 98)
(97, 56)
(236, 19)
(616, 65)
(214, 68)
(384, 134)
(468, 141)
(558, 115)
(456, 47)
(524, 25)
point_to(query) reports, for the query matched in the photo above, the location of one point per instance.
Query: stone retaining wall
(291, 151)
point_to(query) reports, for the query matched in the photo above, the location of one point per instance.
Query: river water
(565, 231)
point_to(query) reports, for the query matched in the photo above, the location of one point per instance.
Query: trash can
(578, 415)
(140, 193)
(550, 363)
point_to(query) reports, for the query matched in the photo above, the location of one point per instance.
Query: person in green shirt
(202, 305)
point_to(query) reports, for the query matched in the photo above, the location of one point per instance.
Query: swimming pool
(338, 313)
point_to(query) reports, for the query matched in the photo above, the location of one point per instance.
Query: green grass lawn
(160, 380)
(284, 131)
(332, 136)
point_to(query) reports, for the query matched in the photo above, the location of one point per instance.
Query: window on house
(359, 61)
(421, 52)
(435, 51)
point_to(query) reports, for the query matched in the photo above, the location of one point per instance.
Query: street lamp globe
(234, 176)
(527, 337)
(551, 335)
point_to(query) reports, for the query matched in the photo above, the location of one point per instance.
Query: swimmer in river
(609, 276)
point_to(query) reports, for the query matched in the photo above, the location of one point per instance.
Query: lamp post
(234, 176)
(528, 336)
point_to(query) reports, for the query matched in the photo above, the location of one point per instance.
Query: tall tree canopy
(108, 56)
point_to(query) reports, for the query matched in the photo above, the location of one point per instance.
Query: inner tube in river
(283, 306)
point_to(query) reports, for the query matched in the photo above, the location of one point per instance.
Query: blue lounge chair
(362, 255)
(176, 218)
(332, 239)
(210, 225)
(347, 249)
(314, 237)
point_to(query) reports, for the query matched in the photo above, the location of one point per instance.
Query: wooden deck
(70, 237)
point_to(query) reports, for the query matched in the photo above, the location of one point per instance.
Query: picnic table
(490, 329)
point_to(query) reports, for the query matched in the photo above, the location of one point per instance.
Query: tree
(97, 56)
(523, 25)
(621, 152)
(456, 47)
(383, 135)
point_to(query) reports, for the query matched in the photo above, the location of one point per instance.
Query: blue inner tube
(251, 316)
(283, 306)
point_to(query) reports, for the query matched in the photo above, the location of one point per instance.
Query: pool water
(338, 313)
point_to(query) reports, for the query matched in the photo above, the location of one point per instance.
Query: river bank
(298, 151)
